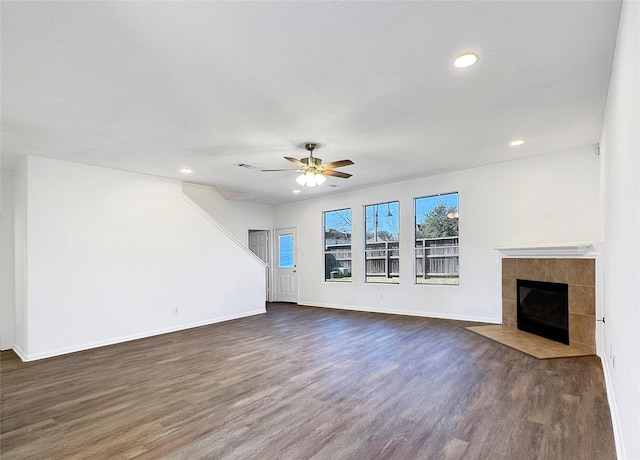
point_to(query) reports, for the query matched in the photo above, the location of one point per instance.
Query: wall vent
(246, 166)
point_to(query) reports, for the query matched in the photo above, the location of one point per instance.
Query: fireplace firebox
(543, 309)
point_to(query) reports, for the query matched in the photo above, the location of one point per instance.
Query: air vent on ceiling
(246, 166)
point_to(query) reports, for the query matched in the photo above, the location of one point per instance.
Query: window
(285, 251)
(436, 239)
(382, 242)
(337, 245)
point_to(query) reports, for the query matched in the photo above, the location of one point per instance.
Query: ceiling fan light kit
(310, 179)
(313, 170)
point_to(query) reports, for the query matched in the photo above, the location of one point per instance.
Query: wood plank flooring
(306, 383)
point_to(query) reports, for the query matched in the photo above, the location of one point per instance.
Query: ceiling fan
(313, 170)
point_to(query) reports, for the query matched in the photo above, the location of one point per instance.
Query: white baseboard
(18, 351)
(613, 408)
(421, 314)
(126, 338)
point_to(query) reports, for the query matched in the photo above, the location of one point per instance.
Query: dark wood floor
(300, 383)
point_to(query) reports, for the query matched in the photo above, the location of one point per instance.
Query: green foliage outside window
(437, 222)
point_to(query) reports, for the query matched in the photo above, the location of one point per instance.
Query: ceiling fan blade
(337, 164)
(296, 161)
(330, 172)
(275, 170)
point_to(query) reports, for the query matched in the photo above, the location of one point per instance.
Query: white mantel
(550, 250)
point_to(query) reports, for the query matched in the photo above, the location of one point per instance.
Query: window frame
(391, 256)
(337, 273)
(444, 252)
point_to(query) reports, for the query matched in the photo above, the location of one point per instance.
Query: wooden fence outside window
(435, 258)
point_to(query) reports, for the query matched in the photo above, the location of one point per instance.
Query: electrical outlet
(611, 350)
(176, 310)
(613, 361)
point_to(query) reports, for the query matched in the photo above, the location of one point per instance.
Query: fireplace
(577, 273)
(543, 309)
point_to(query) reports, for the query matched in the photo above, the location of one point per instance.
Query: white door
(286, 262)
(259, 245)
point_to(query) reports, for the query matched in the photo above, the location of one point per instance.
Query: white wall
(620, 147)
(110, 253)
(546, 199)
(20, 259)
(7, 309)
(236, 216)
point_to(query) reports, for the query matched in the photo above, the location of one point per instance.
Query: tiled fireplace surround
(579, 274)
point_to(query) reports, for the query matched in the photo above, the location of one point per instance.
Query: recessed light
(295, 191)
(465, 60)
(516, 143)
(185, 170)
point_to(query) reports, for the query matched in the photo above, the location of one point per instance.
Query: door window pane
(436, 239)
(285, 251)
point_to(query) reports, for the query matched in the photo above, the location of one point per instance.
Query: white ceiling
(150, 87)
